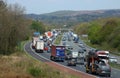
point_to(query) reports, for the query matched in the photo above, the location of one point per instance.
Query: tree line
(14, 27)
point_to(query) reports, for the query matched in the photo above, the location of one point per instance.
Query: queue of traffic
(95, 61)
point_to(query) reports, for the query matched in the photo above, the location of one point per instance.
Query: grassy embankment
(20, 65)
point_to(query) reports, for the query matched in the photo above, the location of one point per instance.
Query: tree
(94, 34)
(38, 26)
(107, 30)
(81, 28)
(13, 27)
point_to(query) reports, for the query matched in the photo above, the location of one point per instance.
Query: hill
(70, 18)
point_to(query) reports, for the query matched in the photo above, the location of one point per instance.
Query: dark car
(71, 62)
(103, 69)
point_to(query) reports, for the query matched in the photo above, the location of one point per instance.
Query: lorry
(34, 39)
(39, 46)
(80, 58)
(69, 54)
(57, 53)
(72, 58)
(75, 38)
(97, 62)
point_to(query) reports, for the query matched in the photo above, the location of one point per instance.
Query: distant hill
(70, 18)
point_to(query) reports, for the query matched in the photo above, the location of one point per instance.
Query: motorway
(29, 50)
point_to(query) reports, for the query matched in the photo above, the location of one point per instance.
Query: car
(71, 62)
(112, 59)
(103, 69)
(80, 44)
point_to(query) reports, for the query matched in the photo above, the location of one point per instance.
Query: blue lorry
(57, 53)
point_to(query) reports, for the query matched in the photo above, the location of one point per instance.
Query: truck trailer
(57, 53)
(39, 46)
(34, 39)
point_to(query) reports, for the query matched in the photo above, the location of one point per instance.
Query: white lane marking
(56, 63)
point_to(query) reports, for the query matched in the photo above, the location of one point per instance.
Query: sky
(47, 6)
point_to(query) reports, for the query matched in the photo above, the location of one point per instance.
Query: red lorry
(57, 53)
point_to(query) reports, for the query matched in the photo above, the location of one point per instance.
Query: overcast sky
(46, 6)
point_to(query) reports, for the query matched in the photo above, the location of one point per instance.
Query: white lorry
(34, 39)
(39, 46)
(74, 54)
